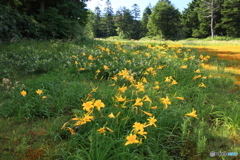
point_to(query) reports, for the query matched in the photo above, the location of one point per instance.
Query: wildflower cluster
(39, 92)
(131, 75)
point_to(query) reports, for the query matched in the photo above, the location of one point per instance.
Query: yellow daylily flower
(202, 85)
(90, 57)
(139, 85)
(138, 102)
(161, 67)
(88, 106)
(98, 71)
(122, 89)
(155, 107)
(197, 71)
(146, 98)
(99, 104)
(192, 114)
(168, 79)
(39, 92)
(151, 121)
(81, 69)
(23, 93)
(210, 76)
(165, 101)
(120, 98)
(195, 77)
(183, 67)
(144, 80)
(102, 130)
(174, 82)
(105, 67)
(131, 139)
(111, 115)
(181, 98)
(138, 127)
(142, 133)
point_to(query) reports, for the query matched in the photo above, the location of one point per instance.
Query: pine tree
(107, 20)
(98, 18)
(190, 19)
(164, 21)
(124, 23)
(136, 23)
(231, 17)
(145, 18)
(135, 12)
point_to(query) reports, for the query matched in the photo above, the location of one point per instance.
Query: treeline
(201, 19)
(41, 19)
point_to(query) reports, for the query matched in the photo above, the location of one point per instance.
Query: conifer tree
(164, 21)
(107, 21)
(124, 23)
(190, 19)
(136, 23)
(231, 17)
(145, 18)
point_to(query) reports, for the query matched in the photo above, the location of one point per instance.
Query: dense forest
(69, 19)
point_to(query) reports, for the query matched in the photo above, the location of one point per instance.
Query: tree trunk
(42, 6)
(212, 18)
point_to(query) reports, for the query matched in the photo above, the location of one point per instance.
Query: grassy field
(103, 100)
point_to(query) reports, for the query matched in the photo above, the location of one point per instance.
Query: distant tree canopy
(203, 18)
(42, 19)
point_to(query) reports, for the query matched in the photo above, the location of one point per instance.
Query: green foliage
(55, 25)
(198, 18)
(28, 19)
(231, 15)
(164, 21)
(90, 28)
(208, 11)
(14, 26)
(190, 19)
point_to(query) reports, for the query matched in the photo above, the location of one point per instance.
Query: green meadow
(108, 100)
